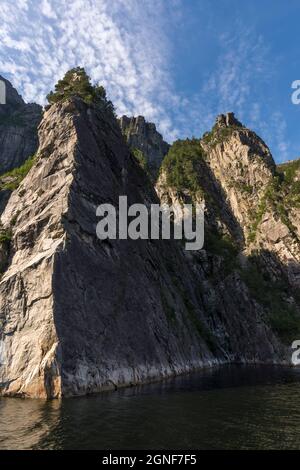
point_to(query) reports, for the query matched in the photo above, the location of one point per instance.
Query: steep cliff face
(246, 196)
(143, 137)
(79, 315)
(241, 163)
(258, 195)
(18, 129)
(252, 209)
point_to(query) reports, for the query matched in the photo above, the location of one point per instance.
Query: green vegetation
(139, 155)
(283, 317)
(14, 219)
(257, 219)
(286, 323)
(243, 187)
(222, 246)
(76, 82)
(5, 239)
(181, 166)
(289, 170)
(5, 236)
(12, 179)
(276, 198)
(150, 169)
(218, 134)
(290, 182)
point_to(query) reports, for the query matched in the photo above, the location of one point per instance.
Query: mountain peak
(228, 120)
(18, 129)
(13, 99)
(144, 137)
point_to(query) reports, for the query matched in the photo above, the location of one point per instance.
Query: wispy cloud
(242, 74)
(241, 64)
(121, 44)
(279, 125)
(125, 45)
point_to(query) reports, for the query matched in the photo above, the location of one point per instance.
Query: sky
(179, 63)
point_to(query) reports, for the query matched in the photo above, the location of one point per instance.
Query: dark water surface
(232, 407)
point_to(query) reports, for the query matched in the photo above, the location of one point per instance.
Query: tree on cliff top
(76, 82)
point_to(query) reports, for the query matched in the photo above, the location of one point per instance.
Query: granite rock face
(79, 315)
(242, 165)
(142, 135)
(251, 202)
(244, 168)
(18, 129)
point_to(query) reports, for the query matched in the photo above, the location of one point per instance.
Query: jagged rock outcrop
(252, 211)
(80, 315)
(227, 120)
(241, 163)
(143, 136)
(247, 197)
(18, 129)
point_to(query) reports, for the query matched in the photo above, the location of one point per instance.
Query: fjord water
(233, 407)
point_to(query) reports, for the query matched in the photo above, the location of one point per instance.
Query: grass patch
(218, 135)
(16, 175)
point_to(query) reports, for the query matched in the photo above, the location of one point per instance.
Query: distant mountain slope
(18, 129)
(145, 141)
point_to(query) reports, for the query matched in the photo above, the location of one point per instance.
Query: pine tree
(76, 82)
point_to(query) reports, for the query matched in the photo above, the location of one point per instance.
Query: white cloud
(47, 10)
(121, 44)
(279, 125)
(124, 45)
(240, 79)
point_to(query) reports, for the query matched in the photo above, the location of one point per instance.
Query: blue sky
(177, 62)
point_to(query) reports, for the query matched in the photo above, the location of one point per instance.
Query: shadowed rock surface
(80, 315)
(18, 129)
(143, 136)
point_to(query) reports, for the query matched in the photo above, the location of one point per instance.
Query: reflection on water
(24, 423)
(227, 408)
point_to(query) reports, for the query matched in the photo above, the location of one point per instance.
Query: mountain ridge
(18, 129)
(79, 315)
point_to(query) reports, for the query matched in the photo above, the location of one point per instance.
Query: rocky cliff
(145, 141)
(80, 315)
(18, 129)
(247, 197)
(252, 207)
